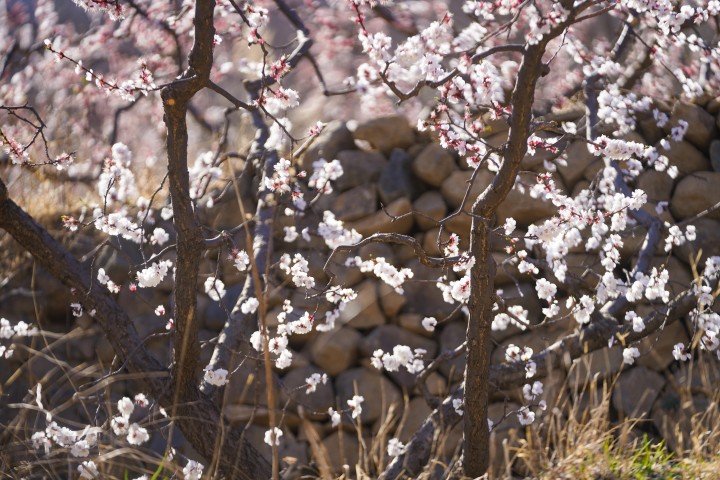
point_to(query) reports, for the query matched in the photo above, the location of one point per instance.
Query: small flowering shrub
(118, 94)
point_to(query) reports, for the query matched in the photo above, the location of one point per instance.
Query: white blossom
(314, 380)
(532, 391)
(509, 225)
(193, 470)
(125, 406)
(120, 424)
(457, 404)
(250, 306)
(214, 288)
(159, 237)
(334, 417)
(395, 448)
(291, 234)
(102, 277)
(546, 290)
(137, 435)
(215, 377)
(40, 440)
(154, 274)
(630, 354)
(241, 260)
(526, 416)
(88, 470)
(80, 449)
(429, 324)
(272, 436)
(638, 324)
(680, 353)
(355, 404)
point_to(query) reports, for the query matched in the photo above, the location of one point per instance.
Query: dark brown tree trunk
(479, 347)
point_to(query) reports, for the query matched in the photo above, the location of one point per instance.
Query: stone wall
(387, 163)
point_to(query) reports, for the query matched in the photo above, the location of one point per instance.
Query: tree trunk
(479, 347)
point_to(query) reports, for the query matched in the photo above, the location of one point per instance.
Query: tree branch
(198, 418)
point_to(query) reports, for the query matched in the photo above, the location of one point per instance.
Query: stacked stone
(401, 181)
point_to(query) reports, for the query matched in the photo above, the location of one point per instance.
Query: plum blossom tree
(489, 63)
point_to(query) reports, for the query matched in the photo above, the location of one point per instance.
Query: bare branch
(396, 239)
(230, 97)
(595, 337)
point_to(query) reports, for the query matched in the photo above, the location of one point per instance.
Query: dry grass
(584, 443)
(577, 440)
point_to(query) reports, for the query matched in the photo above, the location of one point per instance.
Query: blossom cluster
(385, 271)
(9, 331)
(402, 356)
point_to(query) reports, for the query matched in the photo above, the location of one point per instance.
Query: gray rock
(498, 414)
(460, 224)
(214, 315)
(636, 391)
(247, 385)
(451, 337)
(412, 322)
(243, 414)
(715, 155)
(657, 348)
(422, 294)
(649, 129)
(119, 262)
(713, 106)
(342, 449)
(700, 129)
(454, 187)
(703, 375)
(335, 351)
(396, 218)
(83, 347)
(524, 294)
(355, 203)
(695, 193)
(584, 269)
(104, 351)
(429, 204)
(364, 311)
(377, 250)
(359, 168)
(386, 133)
(524, 208)
(673, 418)
(379, 392)
(602, 363)
(315, 404)
(707, 233)
(657, 185)
(334, 138)
(396, 179)
(578, 157)
(685, 156)
(434, 164)
(430, 241)
(416, 414)
(390, 301)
